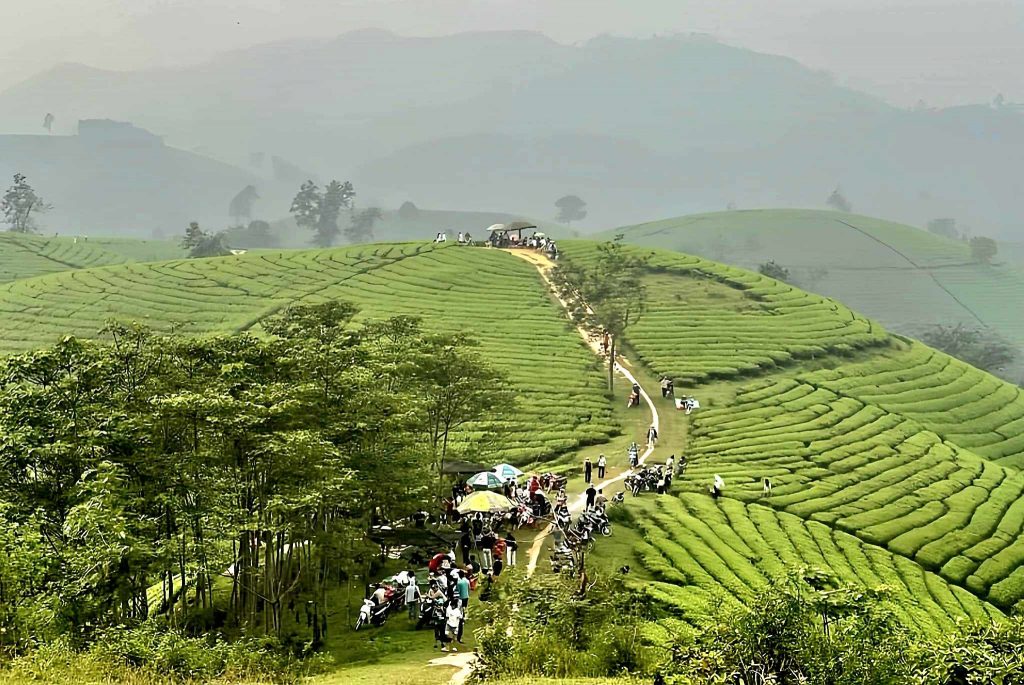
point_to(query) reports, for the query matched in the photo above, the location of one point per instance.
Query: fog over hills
(509, 121)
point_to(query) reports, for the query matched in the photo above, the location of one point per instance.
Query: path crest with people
(544, 266)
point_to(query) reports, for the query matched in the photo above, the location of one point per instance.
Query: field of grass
(903, 277)
(25, 256)
(491, 295)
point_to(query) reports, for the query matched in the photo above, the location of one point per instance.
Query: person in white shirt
(453, 619)
(460, 237)
(602, 462)
(412, 600)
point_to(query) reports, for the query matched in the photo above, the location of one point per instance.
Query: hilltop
(906, 278)
(639, 128)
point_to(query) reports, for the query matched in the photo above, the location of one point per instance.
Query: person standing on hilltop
(588, 469)
(602, 462)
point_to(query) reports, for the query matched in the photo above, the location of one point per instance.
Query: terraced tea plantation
(708, 320)
(491, 295)
(707, 556)
(25, 256)
(891, 464)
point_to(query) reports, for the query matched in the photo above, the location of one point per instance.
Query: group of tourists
(463, 238)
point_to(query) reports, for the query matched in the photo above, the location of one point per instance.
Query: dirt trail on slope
(544, 266)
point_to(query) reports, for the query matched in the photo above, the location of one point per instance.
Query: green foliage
(199, 243)
(605, 294)
(147, 466)
(992, 653)
(801, 631)
(557, 630)
(983, 249)
(18, 205)
(979, 348)
(319, 211)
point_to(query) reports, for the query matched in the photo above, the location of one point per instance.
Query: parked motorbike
(371, 614)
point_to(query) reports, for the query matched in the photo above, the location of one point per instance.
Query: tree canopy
(20, 202)
(606, 295)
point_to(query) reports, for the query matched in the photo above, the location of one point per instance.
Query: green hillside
(894, 466)
(25, 256)
(892, 463)
(488, 294)
(903, 277)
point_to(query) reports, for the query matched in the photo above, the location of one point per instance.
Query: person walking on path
(588, 469)
(453, 621)
(602, 462)
(652, 435)
(412, 599)
(511, 547)
(591, 496)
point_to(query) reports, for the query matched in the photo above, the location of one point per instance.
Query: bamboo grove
(220, 482)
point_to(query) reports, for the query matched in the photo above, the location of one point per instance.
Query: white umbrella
(507, 471)
(485, 479)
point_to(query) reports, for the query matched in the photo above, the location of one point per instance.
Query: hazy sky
(942, 51)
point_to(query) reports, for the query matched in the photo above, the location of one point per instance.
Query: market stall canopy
(455, 467)
(485, 502)
(507, 472)
(486, 479)
(496, 228)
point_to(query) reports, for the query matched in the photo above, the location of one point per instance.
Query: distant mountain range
(511, 121)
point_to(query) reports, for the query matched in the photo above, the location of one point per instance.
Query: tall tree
(570, 208)
(319, 211)
(457, 388)
(18, 205)
(838, 201)
(240, 209)
(606, 295)
(336, 197)
(306, 206)
(360, 229)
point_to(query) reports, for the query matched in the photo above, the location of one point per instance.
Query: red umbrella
(435, 563)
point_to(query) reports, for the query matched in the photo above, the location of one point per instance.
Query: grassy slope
(892, 463)
(491, 295)
(901, 276)
(26, 256)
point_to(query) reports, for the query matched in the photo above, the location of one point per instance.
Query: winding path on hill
(544, 266)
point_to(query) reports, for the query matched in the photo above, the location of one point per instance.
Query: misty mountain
(123, 181)
(512, 120)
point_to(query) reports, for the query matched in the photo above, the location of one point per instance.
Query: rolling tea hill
(25, 256)
(893, 465)
(903, 277)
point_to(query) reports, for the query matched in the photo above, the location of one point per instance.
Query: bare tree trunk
(611, 366)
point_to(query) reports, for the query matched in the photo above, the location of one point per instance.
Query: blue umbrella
(507, 472)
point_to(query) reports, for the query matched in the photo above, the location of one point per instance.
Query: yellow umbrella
(485, 501)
